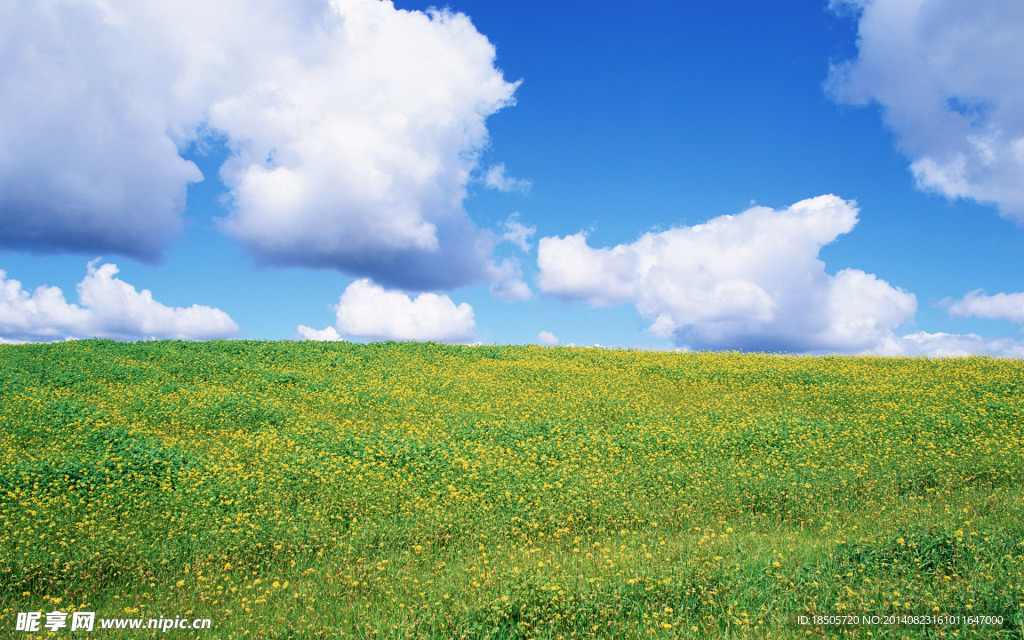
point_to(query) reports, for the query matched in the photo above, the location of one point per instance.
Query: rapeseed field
(333, 490)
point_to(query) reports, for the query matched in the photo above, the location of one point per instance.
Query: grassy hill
(325, 490)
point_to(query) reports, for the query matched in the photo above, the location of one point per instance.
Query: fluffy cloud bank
(749, 281)
(88, 159)
(949, 76)
(367, 310)
(109, 308)
(353, 129)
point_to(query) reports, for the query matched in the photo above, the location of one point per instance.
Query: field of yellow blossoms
(293, 490)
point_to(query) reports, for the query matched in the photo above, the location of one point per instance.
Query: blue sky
(810, 177)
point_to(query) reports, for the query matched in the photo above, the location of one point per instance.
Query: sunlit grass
(322, 490)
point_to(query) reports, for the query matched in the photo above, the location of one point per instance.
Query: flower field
(335, 490)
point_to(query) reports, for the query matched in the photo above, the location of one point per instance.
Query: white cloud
(87, 159)
(496, 178)
(548, 339)
(572, 270)
(862, 311)
(330, 334)
(355, 150)
(1001, 306)
(949, 76)
(367, 310)
(109, 308)
(353, 129)
(516, 232)
(936, 345)
(507, 282)
(43, 314)
(750, 281)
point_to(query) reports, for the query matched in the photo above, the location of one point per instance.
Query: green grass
(326, 490)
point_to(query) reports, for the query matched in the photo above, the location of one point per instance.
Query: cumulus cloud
(496, 178)
(108, 308)
(353, 129)
(355, 153)
(43, 314)
(571, 270)
(751, 281)
(1001, 306)
(516, 232)
(548, 339)
(367, 310)
(87, 155)
(949, 77)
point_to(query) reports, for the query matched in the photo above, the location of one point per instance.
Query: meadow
(294, 490)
